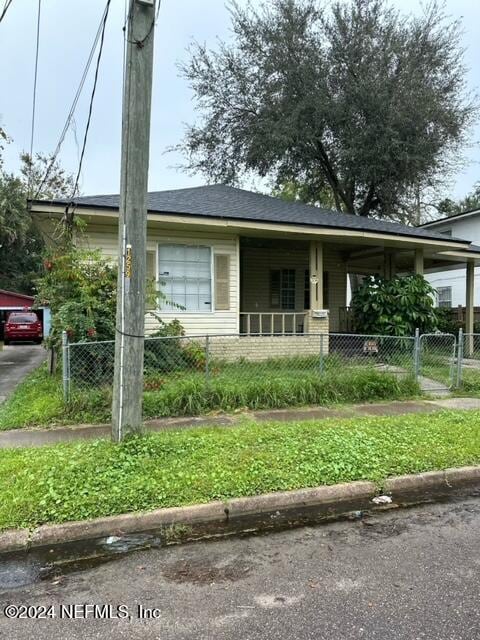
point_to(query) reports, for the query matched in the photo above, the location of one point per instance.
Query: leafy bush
(446, 321)
(171, 353)
(79, 286)
(394, 307)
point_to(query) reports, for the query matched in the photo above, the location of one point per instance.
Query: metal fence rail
(244, 359)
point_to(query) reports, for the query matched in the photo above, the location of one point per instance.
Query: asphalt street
(402, 575)
(16, 361)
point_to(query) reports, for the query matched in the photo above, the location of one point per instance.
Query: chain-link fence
(437, 361)
(468, 361)
(243, 367)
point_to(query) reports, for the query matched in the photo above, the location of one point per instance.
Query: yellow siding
(221, 322)
(258, 262)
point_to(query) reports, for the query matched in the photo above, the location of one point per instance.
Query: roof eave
(91, 207)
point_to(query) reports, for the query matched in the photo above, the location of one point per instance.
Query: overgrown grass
(93, 479)
(470, 382)
(38, 400)
(189, 395)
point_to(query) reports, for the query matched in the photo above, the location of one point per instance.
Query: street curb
(423, 483)
(261, 512)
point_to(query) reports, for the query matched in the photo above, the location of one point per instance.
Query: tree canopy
(21, 244)
(449, 207)
(351, 103)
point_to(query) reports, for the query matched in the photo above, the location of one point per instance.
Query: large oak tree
(352, 104)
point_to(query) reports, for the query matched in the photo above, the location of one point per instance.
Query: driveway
(16, 361)
(401, 575)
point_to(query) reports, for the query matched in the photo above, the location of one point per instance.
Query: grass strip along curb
(85, 480)
(267, 511)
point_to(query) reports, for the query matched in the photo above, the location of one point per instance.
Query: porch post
(316, 275)
(469, 306)
(419, 262)
(389, 264)
(313, 323)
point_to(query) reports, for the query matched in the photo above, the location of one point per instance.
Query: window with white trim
(282, 288)
(185, 276)
(444, 297)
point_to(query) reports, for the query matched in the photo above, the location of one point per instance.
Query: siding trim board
(457, 247)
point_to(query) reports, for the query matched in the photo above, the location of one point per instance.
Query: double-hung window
(185, 276)
(444, 297)
(282, 289)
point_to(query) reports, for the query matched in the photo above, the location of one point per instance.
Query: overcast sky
(68, 28)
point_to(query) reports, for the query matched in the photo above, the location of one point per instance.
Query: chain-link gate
(468, 375)
(437, 361)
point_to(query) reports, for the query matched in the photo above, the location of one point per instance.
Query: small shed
(13, 301)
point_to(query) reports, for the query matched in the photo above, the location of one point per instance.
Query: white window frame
(174, 311)
(449, 302)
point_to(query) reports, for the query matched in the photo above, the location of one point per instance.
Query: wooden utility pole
(132, 224)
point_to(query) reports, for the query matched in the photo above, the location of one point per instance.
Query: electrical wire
(34, 97)
(140, 43)
(5, 9)
(71, 112)
(90, 108)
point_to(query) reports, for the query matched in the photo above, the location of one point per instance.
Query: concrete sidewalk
(42, 437)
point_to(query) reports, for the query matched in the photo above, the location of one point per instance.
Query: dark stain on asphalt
(205, 572)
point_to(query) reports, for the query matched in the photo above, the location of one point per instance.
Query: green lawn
(269, 385)
(470, 382)
(91, 479)
(38, 401)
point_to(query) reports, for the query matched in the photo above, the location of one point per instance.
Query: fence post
(320, 363)
(416, 356)
(207, 359)
(459, 358)
(65, 366)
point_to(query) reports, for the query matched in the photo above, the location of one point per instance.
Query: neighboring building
(450, 283)
(241, 262)
(11, 301)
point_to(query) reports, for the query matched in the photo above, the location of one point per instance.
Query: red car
(23, 326)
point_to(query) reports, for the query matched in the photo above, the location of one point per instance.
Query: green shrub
(446, 321)
(394, 307)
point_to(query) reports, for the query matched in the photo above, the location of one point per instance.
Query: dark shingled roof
(222, 201)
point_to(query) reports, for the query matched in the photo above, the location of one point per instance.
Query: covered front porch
(297, 286)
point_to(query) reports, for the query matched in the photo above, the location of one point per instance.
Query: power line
(69, 215)
(74, 103)
(5, 9)
(34, 97)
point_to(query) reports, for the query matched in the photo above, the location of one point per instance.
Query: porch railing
(266, 323)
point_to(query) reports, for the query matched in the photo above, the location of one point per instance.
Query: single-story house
(450, 282)
(237, 262)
